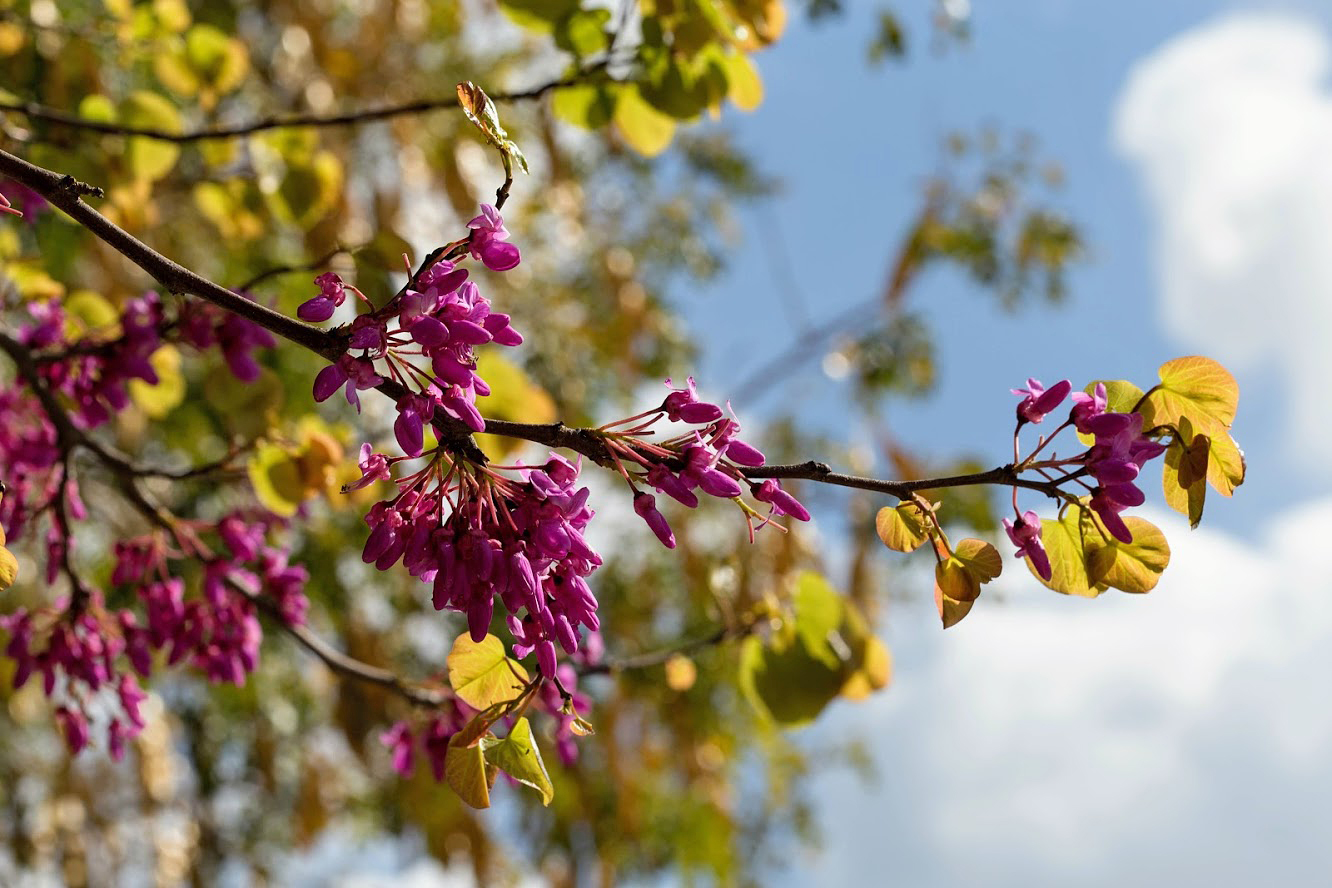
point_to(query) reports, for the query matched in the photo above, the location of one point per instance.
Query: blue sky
(1176, 738)
(1179, 737)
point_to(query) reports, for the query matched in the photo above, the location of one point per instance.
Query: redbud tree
(319, 379)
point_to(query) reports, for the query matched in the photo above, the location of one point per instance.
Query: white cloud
(1230, 129)
(1180, 737)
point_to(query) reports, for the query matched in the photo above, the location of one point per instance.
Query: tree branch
(64, 192)
(343, 664)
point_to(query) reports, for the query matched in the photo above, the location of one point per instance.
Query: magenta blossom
(1086, 406)
(645, 504)
(357, 373)
(332, 293)
(488, 240)
(1026, 535)
(374, 467)
(1039, 400)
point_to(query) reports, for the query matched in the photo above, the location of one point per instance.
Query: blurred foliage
(685, 774)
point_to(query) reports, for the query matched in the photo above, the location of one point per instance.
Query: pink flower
(1039, 400)
(399, 741)
(1026, 535)
(331, 295)
(645, 504)
(487, 241)
(374, 467)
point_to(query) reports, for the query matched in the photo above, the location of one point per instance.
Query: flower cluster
(441, 320)
(710, 459)
(88, 656)
(204, 326)
(1114, 460)
(477, 535)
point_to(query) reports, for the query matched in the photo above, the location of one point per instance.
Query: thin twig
(55, 116)
(343, 664)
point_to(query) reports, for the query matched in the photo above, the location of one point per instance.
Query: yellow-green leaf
(644, 128)
(902, 527)
(874, 672)
(98, 108)
(514, 396)
(787, 683)
(1064, 542)
(583, 31)
(537, 15)
(482, 674)
(518, 756)
(1187, 499)
(308, 191)
(981, 559)
(8, 568)
(160, 399)
(955, 581)
(1131, 567)
(149, 159)
(744, 87)
(247, 409)
(468, 774)
(587, 105)
(1196, 387)
(276, 478)
(818, 615)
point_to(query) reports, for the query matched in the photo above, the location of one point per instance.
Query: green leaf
(149, 159)
(583, 32)
(587, 105)
(818, 616)
(309, 190)
(644, 128)
(248, 409)
(1065, 543)
(482, 674)
(1131, 567)
(514, 397)
(902, 527)
(467, 772)
(787, 683)
(827, 650)
(518, 756)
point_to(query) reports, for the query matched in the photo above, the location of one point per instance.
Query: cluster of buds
(438, 321)
(1114, 460)
(476, 534)
(87, 655)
